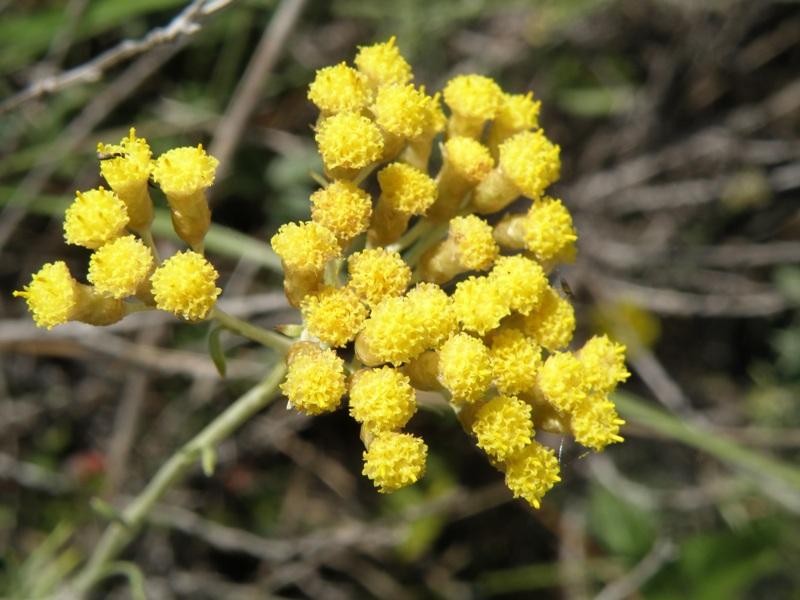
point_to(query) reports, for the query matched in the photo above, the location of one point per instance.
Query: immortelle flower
(405, 289)
(377, 273)
(343, 209)
(339, 89)
(95, 218)
(315, 380)
(503, 426)
(185, 285)
(127, 167)
(469, 247)
(119, 268)
(381, 399)
(348, 142)
(395, 460)
(55, 297)
(529, 163)
(184, 174)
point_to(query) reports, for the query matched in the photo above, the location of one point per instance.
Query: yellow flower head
(532, 472)
(349, 141)
(395, 460)
(94, 218)
(383, 64)
(185, 171)
(185, 285)
(305, 246)
(521, 281)
(479, 304)
(51, 295)
(343, 208)
(562, 380)
(516, 359)
(595, 423)
(339, 89)
(130, 165)
(552, 323)
(518, 112)
(503, 426)
(604, 361)
(407, 189)
(377, 273)
(315, 381)
(400, 329)
(469, 158)
(531, 161)
(465, 368)
(401, 110)
(548, 231)
(334, 315)
(477, 249)
(436, 120)
(381, 399)
(473, 96)
(432, 313)
(118, 268)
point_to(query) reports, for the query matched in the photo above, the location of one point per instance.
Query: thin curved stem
(267, 338)
(119, 534)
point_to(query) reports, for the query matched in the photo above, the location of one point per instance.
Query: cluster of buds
(409, 281)
(125, 274)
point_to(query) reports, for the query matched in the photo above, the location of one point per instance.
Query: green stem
(431, 236)
(419, 229)
(147, 238)
(118, 535)
(270, 339)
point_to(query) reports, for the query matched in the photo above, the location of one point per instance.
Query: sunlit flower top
(483, 326)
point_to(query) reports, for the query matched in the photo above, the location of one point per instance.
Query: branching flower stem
(270, 339)
(119, 534)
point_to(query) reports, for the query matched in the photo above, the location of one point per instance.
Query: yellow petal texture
(531, 161)
(381, 399)
(349, 140)
(185, 285)
(473, 96)
(406, 188)
(552, 323)
(334, 315)
(477, 249)
(532, 472)
(595, 423)
(465, 368)
(377, 273)
(342, 208)
(383, 64)
(315, 380)
(51, 295)
(521, 281)
(184, 171)
(95, 218)
(562, 380)
(118, 268)
(395, 460)
(503, 426)
(339, 89)
(305, 246)
(516, 360)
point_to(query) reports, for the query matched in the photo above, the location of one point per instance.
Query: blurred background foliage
(678, 122)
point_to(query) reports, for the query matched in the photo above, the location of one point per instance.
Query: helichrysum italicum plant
(405, 279)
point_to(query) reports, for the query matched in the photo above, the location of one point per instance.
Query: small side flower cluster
(413, 288)
(124, 272)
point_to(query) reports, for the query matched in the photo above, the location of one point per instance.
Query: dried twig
(185, 24)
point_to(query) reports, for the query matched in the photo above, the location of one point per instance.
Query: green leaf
(208, 459)
(215, 349)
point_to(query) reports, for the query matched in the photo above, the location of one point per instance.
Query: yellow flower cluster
(411, 280)
(124, 272)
